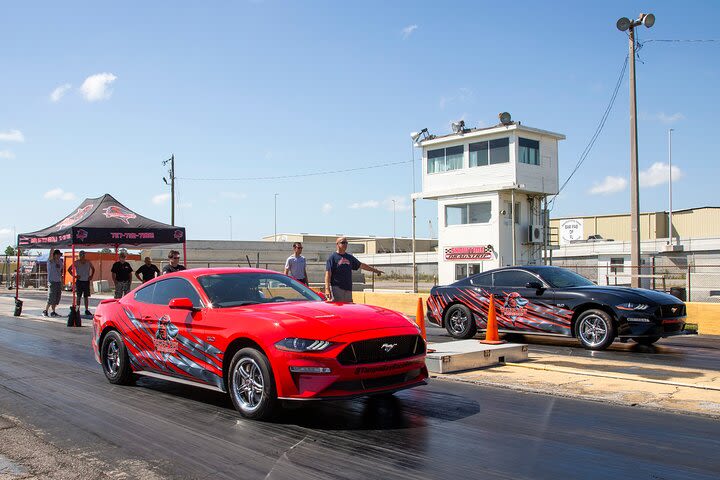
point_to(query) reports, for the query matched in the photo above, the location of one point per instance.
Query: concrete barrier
(705, 315)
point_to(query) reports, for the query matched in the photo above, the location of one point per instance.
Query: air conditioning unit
(536, 233)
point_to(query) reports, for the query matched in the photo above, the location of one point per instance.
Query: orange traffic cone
(491, 332)
(420, 318)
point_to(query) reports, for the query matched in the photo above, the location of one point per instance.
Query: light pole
(230, 217)
(670, 224)
(625, 24)
(275, 235)
(415, 137)
(393, 226)
(171, 174)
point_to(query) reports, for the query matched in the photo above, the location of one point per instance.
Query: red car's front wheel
(251, 384)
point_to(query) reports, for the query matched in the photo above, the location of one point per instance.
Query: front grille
(373, 383)
(666, 311)
(380, 350)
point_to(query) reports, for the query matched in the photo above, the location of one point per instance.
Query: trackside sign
(469, 253)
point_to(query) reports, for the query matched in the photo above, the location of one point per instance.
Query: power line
(680, 40)
(598, 130)
(298, 175)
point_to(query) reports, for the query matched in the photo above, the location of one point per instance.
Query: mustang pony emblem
(117, 212)
(388, 346)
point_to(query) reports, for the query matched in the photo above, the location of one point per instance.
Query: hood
(627, 294)
(323, 320)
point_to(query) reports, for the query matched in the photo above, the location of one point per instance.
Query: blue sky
(95, 95)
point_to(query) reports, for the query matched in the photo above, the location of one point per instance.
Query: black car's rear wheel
(459, 322)
(115, 360)
(251, 384)
(595, 329)
(646, 340)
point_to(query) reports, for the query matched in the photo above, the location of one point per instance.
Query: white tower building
(491, 185)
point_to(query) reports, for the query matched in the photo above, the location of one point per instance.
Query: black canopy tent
(101, 222)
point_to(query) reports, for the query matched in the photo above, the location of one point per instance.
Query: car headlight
(302, 345)
(633, 306)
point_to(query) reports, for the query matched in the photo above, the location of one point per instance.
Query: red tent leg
(185, 254)
(17, 275)
(117, 258)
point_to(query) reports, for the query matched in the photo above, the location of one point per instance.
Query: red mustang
(258, 335)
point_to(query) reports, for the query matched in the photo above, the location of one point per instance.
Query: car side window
(166, 290)
(484, 280)
(145, 294)
(513, 278)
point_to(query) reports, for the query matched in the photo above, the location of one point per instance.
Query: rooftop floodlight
(416, 135)
(623, 24)
(505, 118)
(647, 19)
(458, 127)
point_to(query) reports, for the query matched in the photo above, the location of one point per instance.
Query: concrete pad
(471, 354)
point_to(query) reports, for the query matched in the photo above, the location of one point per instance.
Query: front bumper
(635, 325)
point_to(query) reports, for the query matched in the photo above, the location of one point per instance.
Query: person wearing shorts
(83, 271)
(54, 269)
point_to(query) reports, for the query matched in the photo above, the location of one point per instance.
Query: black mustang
(555, 301)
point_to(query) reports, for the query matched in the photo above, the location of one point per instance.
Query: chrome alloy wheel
(459, 321)
(593, 330)
(248, 384)
(112, 357)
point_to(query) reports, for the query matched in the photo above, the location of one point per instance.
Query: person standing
(121, 275)
(338, 272)
(148, 271)
(295, 265)
(83, 272)
(54, 276)
(174, 265)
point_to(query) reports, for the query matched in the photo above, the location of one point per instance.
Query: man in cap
(83, 271)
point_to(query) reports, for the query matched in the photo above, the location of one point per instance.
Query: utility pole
(275, 235)
(624, 24)
(171, 172)
(671, 241)
(393, 202)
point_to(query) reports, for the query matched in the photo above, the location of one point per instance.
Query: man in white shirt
(83, 270)
(54, 276)
(296, 266)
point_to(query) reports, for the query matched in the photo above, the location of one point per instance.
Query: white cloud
(12, 136)
(407, 31)
(462, 96)
(6, 237)
(326, 208)
(663, 117)
(7, 154)
(59, 194)
(609, 185)
(233, 195)
(59, 92)
(96, 87)
(367, 204)
(400, 204)
(161, 198)
(659, 174)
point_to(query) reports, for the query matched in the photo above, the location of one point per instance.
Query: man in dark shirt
(148, 271)
(122, 275)
(338, 273)
(174, 265)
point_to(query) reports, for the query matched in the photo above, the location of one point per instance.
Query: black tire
(646, 340)
(595, 329)
(115, 360)
(459, 322)
(251, 385)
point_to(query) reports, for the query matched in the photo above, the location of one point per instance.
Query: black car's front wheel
(251, 384)
(459, 322)
(595, 329)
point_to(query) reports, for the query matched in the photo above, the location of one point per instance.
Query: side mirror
(535, 285)
(181, 304)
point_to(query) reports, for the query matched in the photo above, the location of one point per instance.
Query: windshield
(562, 278)
(237, 289)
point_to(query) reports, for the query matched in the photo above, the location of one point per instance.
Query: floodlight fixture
(623, 24)
(647, 19)
(458, 127)
(505, 118)
(415, 136)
